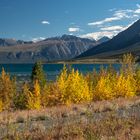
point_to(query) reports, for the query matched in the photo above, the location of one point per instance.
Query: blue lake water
(51, 70)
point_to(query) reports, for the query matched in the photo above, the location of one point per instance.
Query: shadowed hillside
(124, 42)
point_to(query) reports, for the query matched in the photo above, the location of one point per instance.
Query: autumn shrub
(126, 82)
(20, 99)
(104, 88)
(34, 97)
(73, 87)
(1, 105)
(125, 86)
(51, 95)
(7, 90)
(109, 83)
(137, 77)
(128, 62)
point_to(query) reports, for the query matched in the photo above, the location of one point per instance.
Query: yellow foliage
(125, 86)
(104, 89)
(128, 62)
(7, 89)
(73, 87)
(34, 98)
(50, 95)
(137, 77)
(62, 81)
(1, 105)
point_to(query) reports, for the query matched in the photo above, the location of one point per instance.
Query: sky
(39, 19)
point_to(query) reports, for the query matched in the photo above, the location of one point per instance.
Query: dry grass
(96, 120)
(73, 109)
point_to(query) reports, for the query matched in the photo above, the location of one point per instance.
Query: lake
(23, 71)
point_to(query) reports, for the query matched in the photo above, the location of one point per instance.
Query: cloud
(38, 39)
(114, 18)
(110, 31)
(112, 28)
(118, 15)
(137, 11)
(45, 22)
(72, 29)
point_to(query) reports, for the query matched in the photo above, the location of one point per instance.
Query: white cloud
(110, 31)
(45, 22)
(118, 15)
(38, 39)
(96, 23)
(112, 28)
(72, 29)
(137, 11)
(135, 15)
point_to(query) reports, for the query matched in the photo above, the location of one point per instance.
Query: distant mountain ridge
(12, 42)
(50, 49)
(103, 39)
(125, 42)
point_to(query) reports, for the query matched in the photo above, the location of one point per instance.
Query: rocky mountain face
(125, 42)
(50, 49)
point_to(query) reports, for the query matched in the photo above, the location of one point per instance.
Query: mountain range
(125, 42)
(12, 42)
(50, 49)
(68, 47)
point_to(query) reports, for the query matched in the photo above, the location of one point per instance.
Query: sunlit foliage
(71, 86)
(34, 97)
(7, 90)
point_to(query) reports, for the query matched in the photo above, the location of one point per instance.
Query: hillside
(124, 42)
(50, 49)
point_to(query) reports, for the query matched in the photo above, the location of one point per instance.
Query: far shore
(77, 61)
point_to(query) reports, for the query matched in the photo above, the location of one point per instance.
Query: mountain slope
(51, 49)
(122, 43)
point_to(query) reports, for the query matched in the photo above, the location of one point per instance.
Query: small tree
(20, 100)
(128, 62)
(7, 90)
(72, 87)
(38, 74)
(34, 97)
